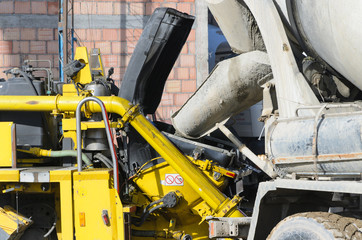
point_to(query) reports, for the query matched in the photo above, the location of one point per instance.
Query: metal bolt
(216, 176)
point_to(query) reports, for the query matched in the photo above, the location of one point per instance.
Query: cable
(146, 214)
(106, 161)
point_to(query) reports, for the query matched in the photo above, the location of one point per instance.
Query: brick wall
(114, 26)
(28, 31)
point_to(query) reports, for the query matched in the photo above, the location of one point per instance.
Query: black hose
(143, 233)
(28, 81)
(146, 214)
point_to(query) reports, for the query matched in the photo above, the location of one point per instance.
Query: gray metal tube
(238, 25)
(109, 137)
(231, 88)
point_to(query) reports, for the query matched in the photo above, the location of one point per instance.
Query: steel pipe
(109, 137)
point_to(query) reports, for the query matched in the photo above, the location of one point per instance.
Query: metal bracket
(129, 115)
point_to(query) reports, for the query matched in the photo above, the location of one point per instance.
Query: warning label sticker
(172, 179)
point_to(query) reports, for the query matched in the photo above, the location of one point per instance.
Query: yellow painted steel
(152, 182)
(84, 76)
(8, 144)
(65, 229)
(12, 223)
(37, 152)
(9, 175)
(93, 196)
(70, 124)
(183, 166)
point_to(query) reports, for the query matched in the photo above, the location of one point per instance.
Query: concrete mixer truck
(83, 159)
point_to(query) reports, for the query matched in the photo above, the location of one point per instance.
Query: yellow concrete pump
(80, 160)
(84, 159)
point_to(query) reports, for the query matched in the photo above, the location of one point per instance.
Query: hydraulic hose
(62, 153)
(106, 161)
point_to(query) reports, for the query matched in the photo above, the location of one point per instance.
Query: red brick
(188, 0)
(129, 34)
(1, 34)
(168, 111)
(16, 47)
(118, 74)
(105, 8)
(131, 45)
(52, 47)
(24, 47)
(53, 8)
(171, 75)
(88, 45)
(37, 47)
(128, 59)
(124, 60)
(39, 7)
(184, 49)
(119, 8)
(30, 57)
(94, 34)
(193, 73)
(191, 46)
(55, 73)
(188, 86)
(22, 7)
(105, 47)
(81, 34)
(136, 8)
(173, 86)
(6, 7)
(119, 47)
(181, 98)
(157, 0)
(88, 8)
(169, 5)
(159, 113)
(167, 99)
(110, 34)
(45, 34)
(45, 57)
(6, 47)
(11, 60)
(187, 60)
(56, 61)
(77, 8)
(27, 34)
(11, 34)
(192, 35)
(150, 7)
(39, 74)
(184, 7)
(56, 33)
(110, 61)
(137, 33)
(123, 33)
(182, 73)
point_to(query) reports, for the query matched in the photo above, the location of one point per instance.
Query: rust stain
(348, 156)
(32, 102)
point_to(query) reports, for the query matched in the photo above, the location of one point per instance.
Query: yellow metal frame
(84, 76)
(214, 199)
(8, 144)
(93, 194)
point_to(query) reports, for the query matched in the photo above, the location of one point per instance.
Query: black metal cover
(154, 56)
